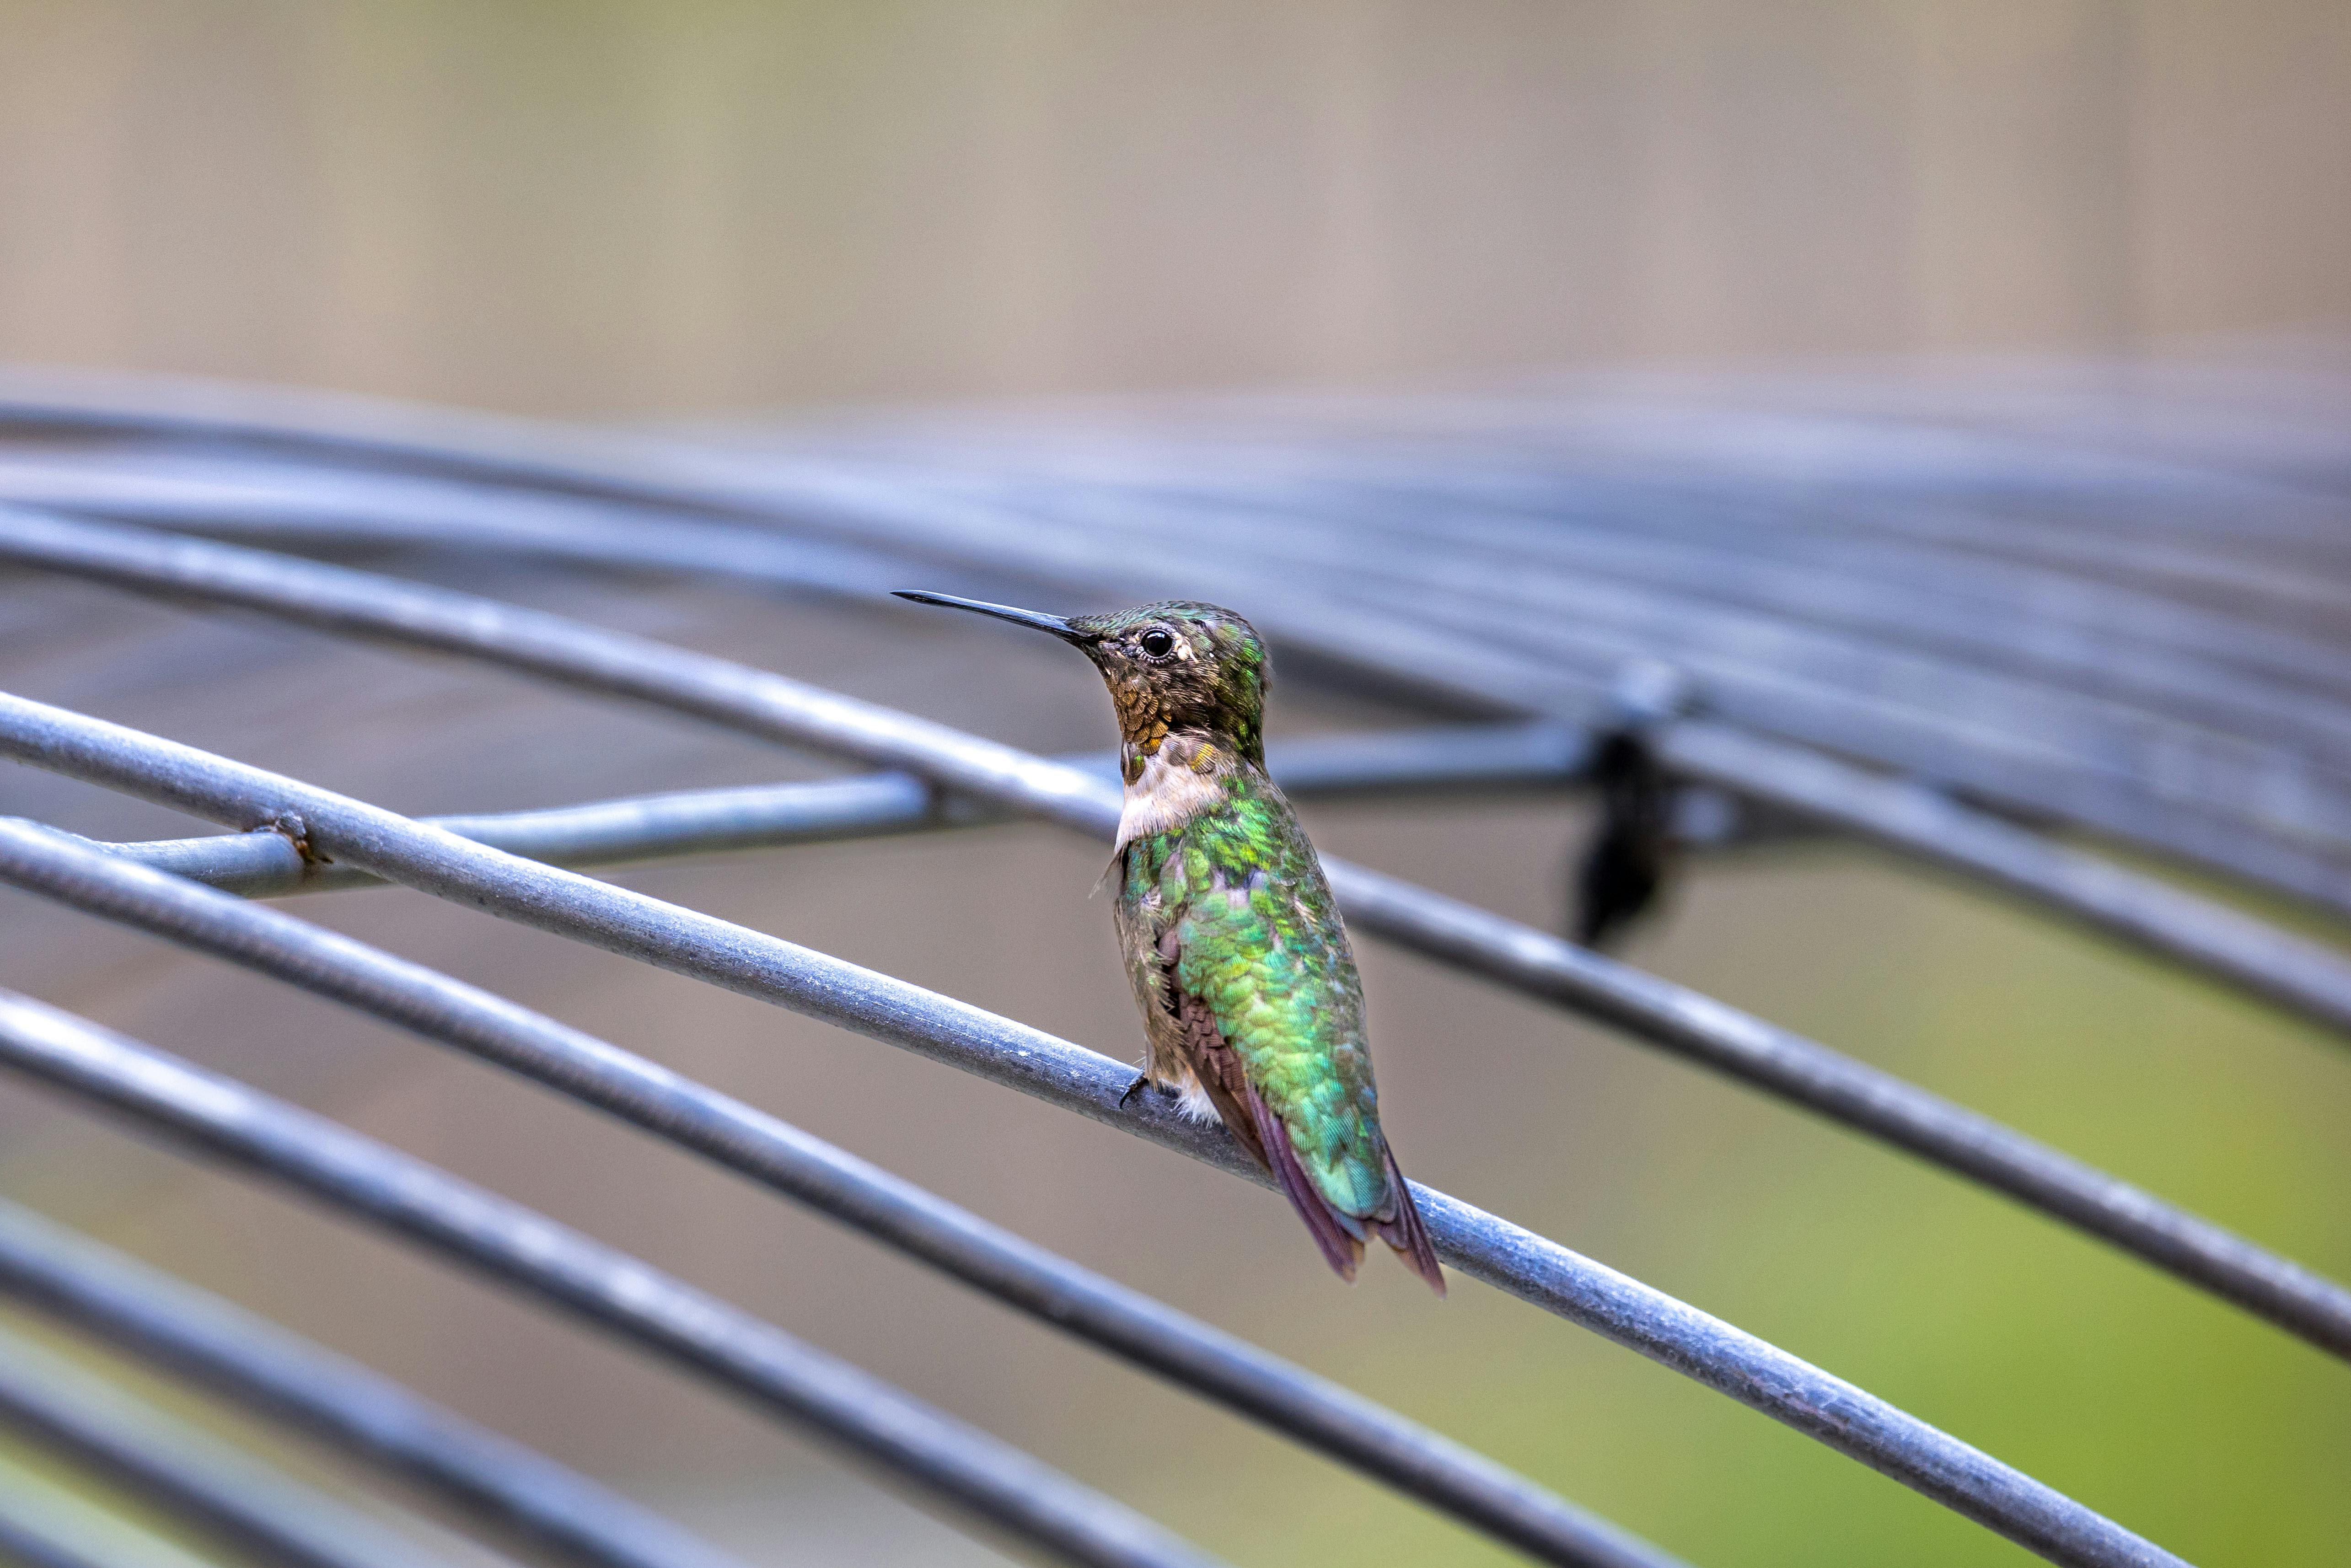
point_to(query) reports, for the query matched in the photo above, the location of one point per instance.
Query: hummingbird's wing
(1262, 989)
(1218, 1068)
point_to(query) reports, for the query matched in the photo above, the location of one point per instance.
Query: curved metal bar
(24, 1544)
(598, 833)
(1398, 646)
(1539, 423)
(957, 1465)
(1966, 612)
(1904, 640)
(856, 505)
(1677, 520)
(2087, 758)
(1340, 1424)
(350, 508)
(827, 810)
(1682, 1022)
(760, 555)
(267, 863)
(228, 1495)
(2271, 753)
(2306, 978)
(278, 1373)
(1441, 666)
(1535, 1270)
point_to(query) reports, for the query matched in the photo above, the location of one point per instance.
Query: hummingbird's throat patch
(1178, 777)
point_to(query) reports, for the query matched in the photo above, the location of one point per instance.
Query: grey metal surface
(2143, 639)
(1454, 758)
(145, 1313)
(24, 1544)
(1685, 1023)
(2187, 784)
(895, 1212)
(950, 1463)
(2136, 908)
(1542, 1272)
(229, 1496)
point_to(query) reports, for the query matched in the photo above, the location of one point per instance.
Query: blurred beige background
(672, 209)
(604, 207)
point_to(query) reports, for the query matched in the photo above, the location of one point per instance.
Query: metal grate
(1532, 558)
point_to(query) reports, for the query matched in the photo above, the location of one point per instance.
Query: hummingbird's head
(1172, 667)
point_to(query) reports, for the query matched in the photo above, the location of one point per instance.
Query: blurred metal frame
(846, 512)
(953, 1464)
(770, 707)
(147, 1314)
(685, 941)
(852, 516)
(782, 1157)
(25, 1544)
(258, 1511)
(1897, 812)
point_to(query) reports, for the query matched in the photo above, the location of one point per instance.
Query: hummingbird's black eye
(1156, 644)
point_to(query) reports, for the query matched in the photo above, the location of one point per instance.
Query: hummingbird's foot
(1141, 1082)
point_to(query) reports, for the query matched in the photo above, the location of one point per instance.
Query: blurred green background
(681, 210)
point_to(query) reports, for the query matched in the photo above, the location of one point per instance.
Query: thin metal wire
(1345, 1426)
(385, 510)
(1685, 1023)
(1753, 551)
(1534, 1269)
(1745, 545)
(1391, 645)
(228, 1495)
(1756, 668)
(853, 506)
(978, 1476)
(279, 1374)
(1453, 758)
(1662, 577)
(2279, 968)
(2303, 978)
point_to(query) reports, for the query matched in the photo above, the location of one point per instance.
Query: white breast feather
(1167, 795)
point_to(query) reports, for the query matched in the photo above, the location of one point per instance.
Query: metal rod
(1395, 646)
(1449, 759)
(894, 1211)
(1549, 427)
(754, 964)
(1482, 575)
(1454, 664)
(228, 1495)
(862, 506)
(277, 1374)
(2310, 1305)
(1752, 546)
(1650, 575)
(24, 1544)
(1471, 939)
(1685, 1023)
(49, 1510)
(978, 1476)
(2283, 970)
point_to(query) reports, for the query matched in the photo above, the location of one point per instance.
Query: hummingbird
(1251, 1007)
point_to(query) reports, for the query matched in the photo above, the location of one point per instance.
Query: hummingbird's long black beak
(1058, 626)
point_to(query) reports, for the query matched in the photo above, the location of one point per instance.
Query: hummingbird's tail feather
(1407, 1234)
(1338, 1235)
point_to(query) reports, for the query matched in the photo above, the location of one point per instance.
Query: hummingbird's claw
(1141, 1082)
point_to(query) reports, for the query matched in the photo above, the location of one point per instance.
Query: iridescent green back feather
(1262, 946)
